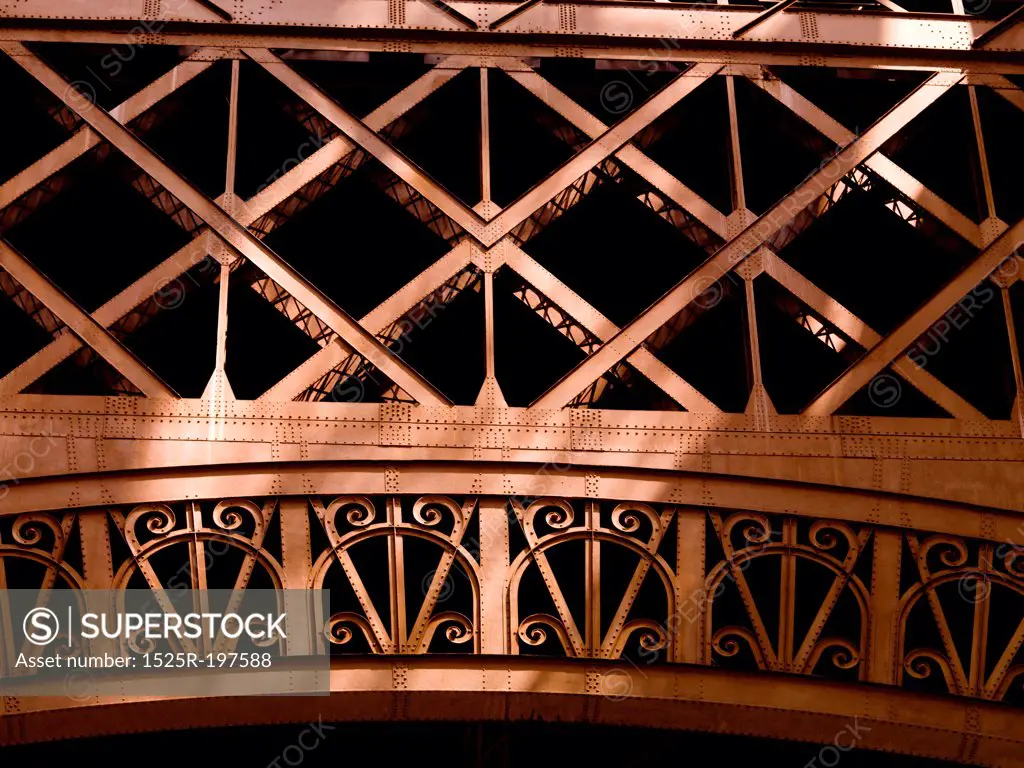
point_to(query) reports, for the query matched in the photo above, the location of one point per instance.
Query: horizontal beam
(978, 464)
(656, 24)
(727, 482)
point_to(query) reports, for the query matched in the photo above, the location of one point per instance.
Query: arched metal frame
(397, 637)
(591, 642)
(803, 659)
(495, 627)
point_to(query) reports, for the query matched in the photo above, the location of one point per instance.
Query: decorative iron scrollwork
(551, 526)
(766, 563)
(949, 635)
(352, 527)
(569, 577)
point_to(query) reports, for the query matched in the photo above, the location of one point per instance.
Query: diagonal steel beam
(856, 329)
(387, 115)
(216, 9)
(37, 184)
(514, 13)
(563, 202)
(66, 345)
(30, 305)
(352, 365)
(452, 13)
(665, 205)
(781, 5)
(1002, 85)
(390, 310)
(885, 168)
(79, 321)
(85, 138)
(602, 147)
(266, 200)
(660, 374)
(528, 268)
(746, 242)
(143, 296)
(884, 352)
(358, 132)
(339, 148)
(630, 155)
(1001, 27)
(231, 232)
(490, 232)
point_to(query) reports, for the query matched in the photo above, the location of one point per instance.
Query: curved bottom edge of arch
(383, 689)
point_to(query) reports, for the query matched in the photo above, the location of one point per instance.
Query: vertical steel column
(229, 177)
(494, 562)
(754, 341)
(97, 563)
(296, 562)
(219, 388)
(759, 405)
(592, 582)
(97, 567)
(7, 653)
(396, 578)
(979, 635)
(1018, 376)
(222, 320)
(687, 625)
(485, 138)
(489, 323)
(979, 136)
(884, 606)
(787, 595)
(739, 196)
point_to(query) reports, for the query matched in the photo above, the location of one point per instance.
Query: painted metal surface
(834, 490)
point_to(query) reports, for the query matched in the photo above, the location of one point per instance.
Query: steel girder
(973, 467)
(819, 37)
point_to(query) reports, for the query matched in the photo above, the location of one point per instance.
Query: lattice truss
(621, 264)
(601, 579)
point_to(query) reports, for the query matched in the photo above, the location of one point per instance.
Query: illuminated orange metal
(890, 522)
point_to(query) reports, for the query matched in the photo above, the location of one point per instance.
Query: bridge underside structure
(626, 363)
